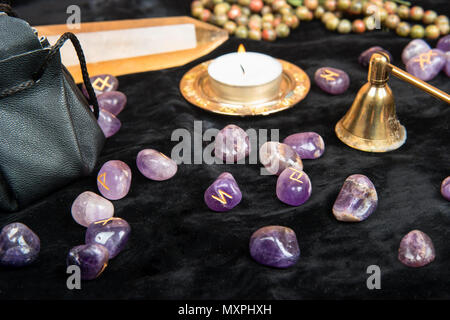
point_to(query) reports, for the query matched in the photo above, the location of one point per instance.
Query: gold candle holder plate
(196, 88)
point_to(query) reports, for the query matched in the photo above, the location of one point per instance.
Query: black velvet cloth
(179, 249)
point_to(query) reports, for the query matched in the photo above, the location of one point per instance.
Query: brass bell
(371, 123)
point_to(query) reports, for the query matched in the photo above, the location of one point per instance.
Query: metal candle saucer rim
(195, 88)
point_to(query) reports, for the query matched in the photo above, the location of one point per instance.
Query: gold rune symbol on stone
(104, 222)
(104, 83)
(330, 75)
(102, 179)
(222, 197)
(296, 175)
(425, 58)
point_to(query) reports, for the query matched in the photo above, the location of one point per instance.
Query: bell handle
(405, 76)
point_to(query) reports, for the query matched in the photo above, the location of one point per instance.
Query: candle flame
(241, 48)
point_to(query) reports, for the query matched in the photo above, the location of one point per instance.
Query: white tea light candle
(245, 77)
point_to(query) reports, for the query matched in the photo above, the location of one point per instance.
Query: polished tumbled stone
(276, 157)
(275, 246)
(89, 207)
(293, 187)
(109, 123)
(364, 57)
(112, 233)
(114, 179)
(102, 83)
(331, 80)
(19, 245)
(416, 249)
(444, 43)
(445, 188)
(308, 145)
(414, 48)
(357, 199)
(92, 259)
(231, 144)
(426, 66)
(112, 101)
(155, 165)
(224, 194)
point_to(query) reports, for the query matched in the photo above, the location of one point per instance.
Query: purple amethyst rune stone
(276, 157)
(91, 258)
(155, 165)
(416, 249)
(444, 43)
(414, 48)
(426, 66)
(364, 57)
(447, 64)
(102, 83)
(231, 144)
(108, 122)
(293, 187)
(308, 145)
(275, 246)
(445, 188)
(89, 207)
(112, 101)
(224, 194)
(112, 233)
(357, 199)
(114, 179)
(331, 80)
(19, 245)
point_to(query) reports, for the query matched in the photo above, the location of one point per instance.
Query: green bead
(197, 12)
(230, 27)
(417, 31)
(319, 12)
(242, 20)
(244, 2)
(220, 19)
(282, 30)
(344, 26)
(403, 12)
(332, 23)
(269, 35)
(254, 24)
(416, 13)
(278, 4)
(343, 4)
(429, 16)
(217, 1)
(403, 29)
(432, 31)
(268, 17)
(390, 6)
(370, 23)
(241, 32)
(441, 20)
(266, 10)
(267, 25)
(392, 21)
(444, 29)
(327, 16)
(356, 7)
(303, 13)
(246, 11)
(254, 34)
(221, 8)
(196, 4)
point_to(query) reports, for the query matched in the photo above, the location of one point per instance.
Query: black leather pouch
(48, 134)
